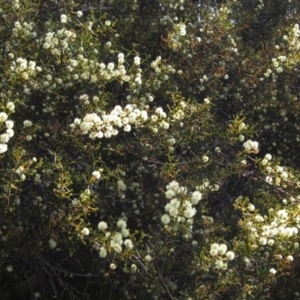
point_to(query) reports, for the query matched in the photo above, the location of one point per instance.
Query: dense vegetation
(149, 149)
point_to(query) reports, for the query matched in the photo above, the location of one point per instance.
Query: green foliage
(149, 149)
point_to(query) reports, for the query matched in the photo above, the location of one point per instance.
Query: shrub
(149, 149)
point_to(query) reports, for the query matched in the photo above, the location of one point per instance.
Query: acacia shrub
(129, 152)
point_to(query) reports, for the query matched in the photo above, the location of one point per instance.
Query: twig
(50, 278)
(164, 285)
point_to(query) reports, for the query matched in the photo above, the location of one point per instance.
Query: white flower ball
(102, 226)
(230, 255)
(196, 197)
(165, 219)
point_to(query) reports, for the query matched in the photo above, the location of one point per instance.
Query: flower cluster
(277, 229)
(114, 241)
(277, 174)
(181, 207)
(24, 29)
(293, 38)
(107, 125)
(278, 226)
(220, 252)
(24, 68)
(4, 138)
(58, 41)
(250, 146)
(158, 120)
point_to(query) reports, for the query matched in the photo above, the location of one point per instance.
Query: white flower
(121, 185)
(52, 243)
(9, 269)
(125, 232)
(213, 252)
(251, 207)
(259, 218)
(222, 249)
(117, 238)
(121, 58)
(128, 243)
(3, 116)
(282, 214)
(230, 255)
(205, 158)
(96, 174)
(182, 29)
(282, 58)
(243, 162)
(196, 197)
(9, 124)
(279, 69)
(272, 271)
(171, 141)
(250, 145)
(133, 268)
(165, 125)
(165, 219)
(215, 246)
(219, 264)
(173, 185)
(268, 157)
(159, 111)
(241, 138)
(10, 132)
(269, 179)
(289, 258)
(110, 66)
(214, 249)
(247, 262)
(79, 14)
(116, 247)
(127, 128)
(169, 194)
(148, 258)
(137, 60)
(63, 18)
(10, 106)
(27, 123)
(189, 212)
(242, 126)
(263, 241)
(85, 231)
(113, 266)
(107, 23)
(264, 162)
(3, 148)
(102, 252)
(102, 226)
(138, 80)
(122, 224)
(173, 211)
